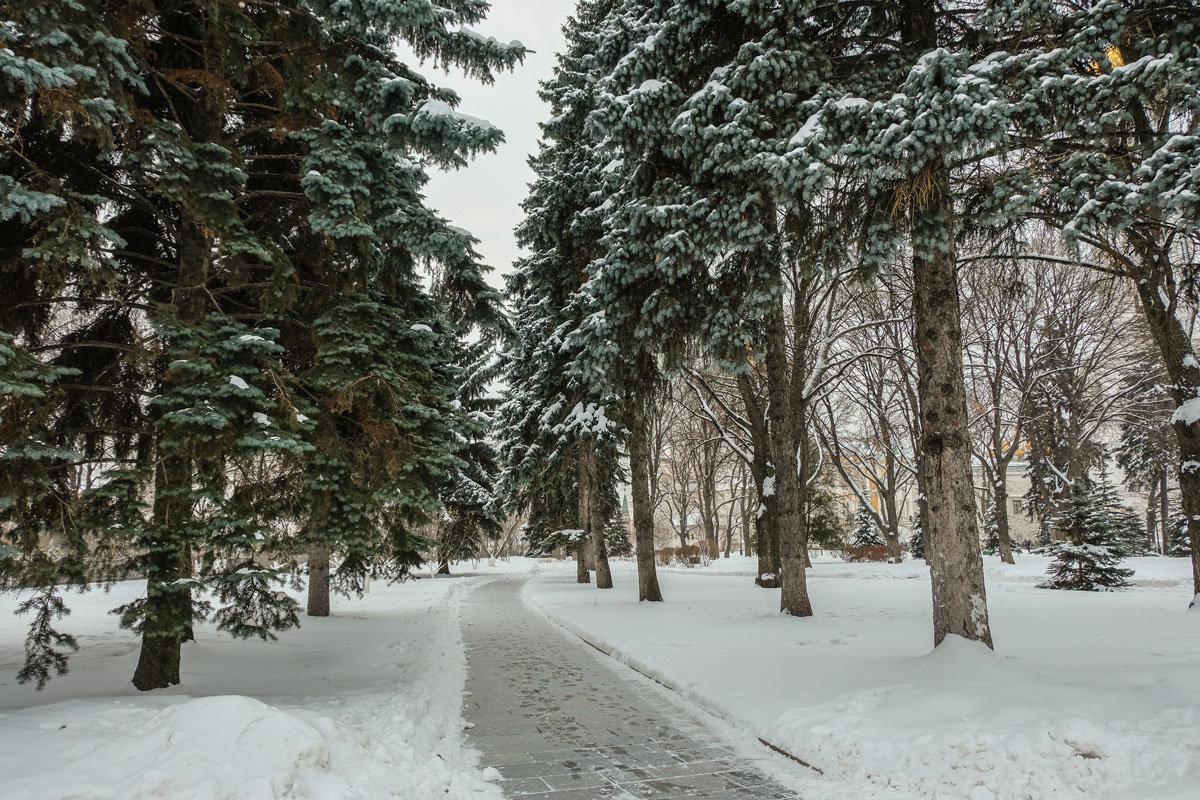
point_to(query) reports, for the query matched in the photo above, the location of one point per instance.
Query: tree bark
(1155, 288)
(951, 537)
(1000, 513)
(318, 581)
(168, 605)
(581, 571)
(1164, 515)
(766, 530)
(643, 510)
(167, 608)
(1152, 519)
(591, 514)
(744, 509)
(794, 599)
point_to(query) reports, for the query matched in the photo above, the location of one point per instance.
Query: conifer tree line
(811, 213)
(233, 335)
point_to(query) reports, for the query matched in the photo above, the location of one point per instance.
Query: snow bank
(1087, 696)
(961, 722)
(227, 747)
(363, 705)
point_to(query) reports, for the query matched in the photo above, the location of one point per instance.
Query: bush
(875, 552)
(690, 555)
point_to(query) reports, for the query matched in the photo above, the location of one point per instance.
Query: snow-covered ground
(1087, 695)
(365, 704)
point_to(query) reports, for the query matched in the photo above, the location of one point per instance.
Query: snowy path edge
(788, 768)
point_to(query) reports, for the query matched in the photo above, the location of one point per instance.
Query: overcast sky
(485, 197)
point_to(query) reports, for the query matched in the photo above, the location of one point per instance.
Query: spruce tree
(1114, 115)
(259, 261)
(916, 542)
(864, 533)
(562, 419)
(1088, 558)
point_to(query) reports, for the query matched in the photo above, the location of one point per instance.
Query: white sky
(485, 197)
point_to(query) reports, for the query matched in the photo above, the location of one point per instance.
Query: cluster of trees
(232, 332)
(798, 200)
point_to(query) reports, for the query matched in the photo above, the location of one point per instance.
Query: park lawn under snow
(1088, 695)
(363, 705)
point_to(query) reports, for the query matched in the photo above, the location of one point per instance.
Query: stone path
(561, 722)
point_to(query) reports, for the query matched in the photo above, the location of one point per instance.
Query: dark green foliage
(45, 648)
(1088, 558)
(916, 542)
(225, 295)
(991, 532)
(864, 532)
(1179, 541)
(826, 529)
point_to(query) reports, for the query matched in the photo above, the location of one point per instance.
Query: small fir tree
(916, 542)
(1088, 559)
(865, 533)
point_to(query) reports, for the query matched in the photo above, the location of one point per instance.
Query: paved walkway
(562, 722)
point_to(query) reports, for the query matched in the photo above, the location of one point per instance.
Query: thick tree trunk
(1154, 287)
(707, 484)
(581, 571)
(1000, 514)
(891, 514)
(168, 605)
(318, 581)
(951, 536)
(794, 598)
(643, 511)
(766, 531)
(591, 515)
(167, 608)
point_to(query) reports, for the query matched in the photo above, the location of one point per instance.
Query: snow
(768, 487)
(440, 108)
(1087, 695)
(807, 131)
(261, 418)
(362, 705)
(240, 383)
(1188, 411)
(421, 327)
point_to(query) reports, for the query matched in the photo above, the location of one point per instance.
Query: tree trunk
(1164, 516)
(581, 570)
(591, 514)
(766, 531)
(1152, 519)
(1000, 514)
(1154, 287)
(729, 529)
(744, 510)
(318, 581)
(167, 608)
(168, 605)
(794, 598)
(951, 536)
(643, 510)
(706, 483)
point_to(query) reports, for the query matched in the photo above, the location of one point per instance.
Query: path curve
(562, 722)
